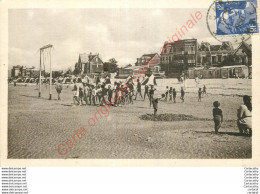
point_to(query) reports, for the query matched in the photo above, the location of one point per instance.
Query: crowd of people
(120, 94)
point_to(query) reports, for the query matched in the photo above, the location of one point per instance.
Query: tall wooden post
(50, 75)
(40, 73)
(49, 46)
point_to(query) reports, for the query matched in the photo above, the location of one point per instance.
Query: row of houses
(23, 71)
(176, 58)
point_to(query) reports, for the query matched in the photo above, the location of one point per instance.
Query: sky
(123, 34)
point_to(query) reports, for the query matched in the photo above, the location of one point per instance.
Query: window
(219, 58)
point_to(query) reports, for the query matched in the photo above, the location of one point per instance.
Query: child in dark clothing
(217, 116)
(174, 95)
(81, 95)
(151, 93)
(131, 94)
(199, 93)
(166, 93)
(170, 94)
(182, 94)
(110, 93)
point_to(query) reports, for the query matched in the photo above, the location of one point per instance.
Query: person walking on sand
(197, 81)
(217, 116)
(146, 88)
(151, 93)
(170, 94)
(204, 90)
(58, 88)
(139, 89)
(182, 94)
(199, 94)
(166, 93)
(174, 94)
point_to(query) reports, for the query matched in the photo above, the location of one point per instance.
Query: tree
(69, 71)
(111, 65)
(76, 70)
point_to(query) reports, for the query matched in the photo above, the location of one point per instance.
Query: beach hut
(236, 71)
(198, 72)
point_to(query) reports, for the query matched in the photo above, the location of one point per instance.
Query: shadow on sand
(224, 133)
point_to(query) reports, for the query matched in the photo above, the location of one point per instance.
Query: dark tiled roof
(86, 57)
(214, 47)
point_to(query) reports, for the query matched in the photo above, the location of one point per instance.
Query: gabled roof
(206, 44)
(245, 44)
(228, 44)
(83, 57)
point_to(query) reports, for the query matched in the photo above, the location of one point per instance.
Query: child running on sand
(217, 116)
(155, 102)
(199, 93)
(182, 94)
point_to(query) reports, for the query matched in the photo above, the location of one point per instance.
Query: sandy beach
(36, 126)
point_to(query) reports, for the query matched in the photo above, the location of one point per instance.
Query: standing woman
(244, 116)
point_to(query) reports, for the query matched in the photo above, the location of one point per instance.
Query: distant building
(89, 64)
(243, 54)
(23, 71)
(213, 55)
(178, 57)
(151, 61)
(16, 71)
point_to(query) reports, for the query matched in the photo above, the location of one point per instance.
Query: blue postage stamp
(236, 17)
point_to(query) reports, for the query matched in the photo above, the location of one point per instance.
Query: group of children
(100, 94)
(172, 94)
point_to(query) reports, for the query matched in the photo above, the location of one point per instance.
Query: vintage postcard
(130, 84)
